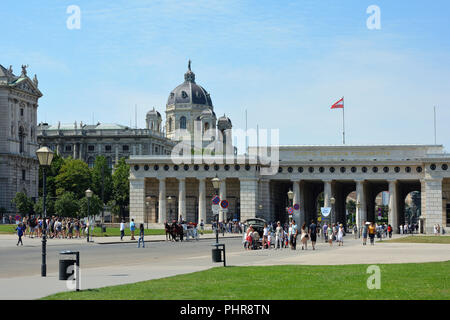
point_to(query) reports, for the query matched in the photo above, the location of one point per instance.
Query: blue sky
(285, 62)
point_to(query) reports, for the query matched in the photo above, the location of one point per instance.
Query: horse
(168, 231)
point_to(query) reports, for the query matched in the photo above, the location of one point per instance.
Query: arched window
(21, 140)
(183, 122)
(206, 126)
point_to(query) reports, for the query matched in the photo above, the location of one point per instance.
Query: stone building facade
(19, 167)
(334, 171)
(86, 142)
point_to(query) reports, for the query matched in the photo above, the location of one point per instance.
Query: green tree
(67, 205)
(51, 174)
(121, 186)
(99, 171)
(23, 203)
(74, 176)
(95, 206)
(49, 203)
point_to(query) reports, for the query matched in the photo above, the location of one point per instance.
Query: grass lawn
(110, 232)
(7, 228)
(349, 282)
(421, 239)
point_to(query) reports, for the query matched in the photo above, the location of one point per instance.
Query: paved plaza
(108, 261)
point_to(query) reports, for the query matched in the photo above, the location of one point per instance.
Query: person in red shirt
(389, 229)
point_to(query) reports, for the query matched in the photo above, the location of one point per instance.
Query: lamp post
(216, 185)
(148, 199)
(290, 197)
(169, 200)
(333, 214)
(45, 157)
(88, 196)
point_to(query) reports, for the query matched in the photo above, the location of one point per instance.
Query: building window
(183, 122)
(24, 175)
(108, 148)
(125, 148)
(91, 148)
(300, 169)
(21, 112)
(91, 161)
(109, 162)
(21, 140)
(68, 148)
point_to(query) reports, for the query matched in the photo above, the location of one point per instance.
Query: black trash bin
(64, 271)
(70, 267)
(216, 255)
(103, 229)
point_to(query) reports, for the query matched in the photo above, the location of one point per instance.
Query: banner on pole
(325, 211)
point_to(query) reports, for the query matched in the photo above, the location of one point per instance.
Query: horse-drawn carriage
(178, 232)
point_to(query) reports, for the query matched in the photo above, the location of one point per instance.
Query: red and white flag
(338, 105)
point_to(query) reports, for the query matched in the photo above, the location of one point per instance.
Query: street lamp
(216, 185)
(333, 201)
(148, 199)
(290, 197)
(169, 200)
(89, 194)
(45, 157)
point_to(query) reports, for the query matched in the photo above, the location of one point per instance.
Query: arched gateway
(335, 171)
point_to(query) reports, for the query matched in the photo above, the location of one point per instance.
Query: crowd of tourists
(278, 236)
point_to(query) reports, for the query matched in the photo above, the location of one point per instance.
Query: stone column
(162, 214)
(80, 154)
(201, 201)
(74, 150)
(327, 195)
(248, 191)
(137, 200)
(432, 207)
(117, 154)
(222, 196)
(182, 198)
(361, 214)
(393, 212)
(296, 200)
(302, 200)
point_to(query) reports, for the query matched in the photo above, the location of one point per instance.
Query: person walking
(313, 234)
(304, 237)
(122, 229)
(202, 227)
(330, 235)
(19, 230)
(294, 235)
(325, 233)
(340, 235)
(364, 231)
(389, 230)
(372, 231)
(141, 236)
(265, 236)
(279, 236)
(355, 231)
(132, 229)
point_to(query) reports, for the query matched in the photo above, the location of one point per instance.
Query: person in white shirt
(122, 230)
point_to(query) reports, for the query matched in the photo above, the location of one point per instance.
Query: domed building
(187, 103)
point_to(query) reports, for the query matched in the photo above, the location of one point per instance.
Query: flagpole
(343, 121)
